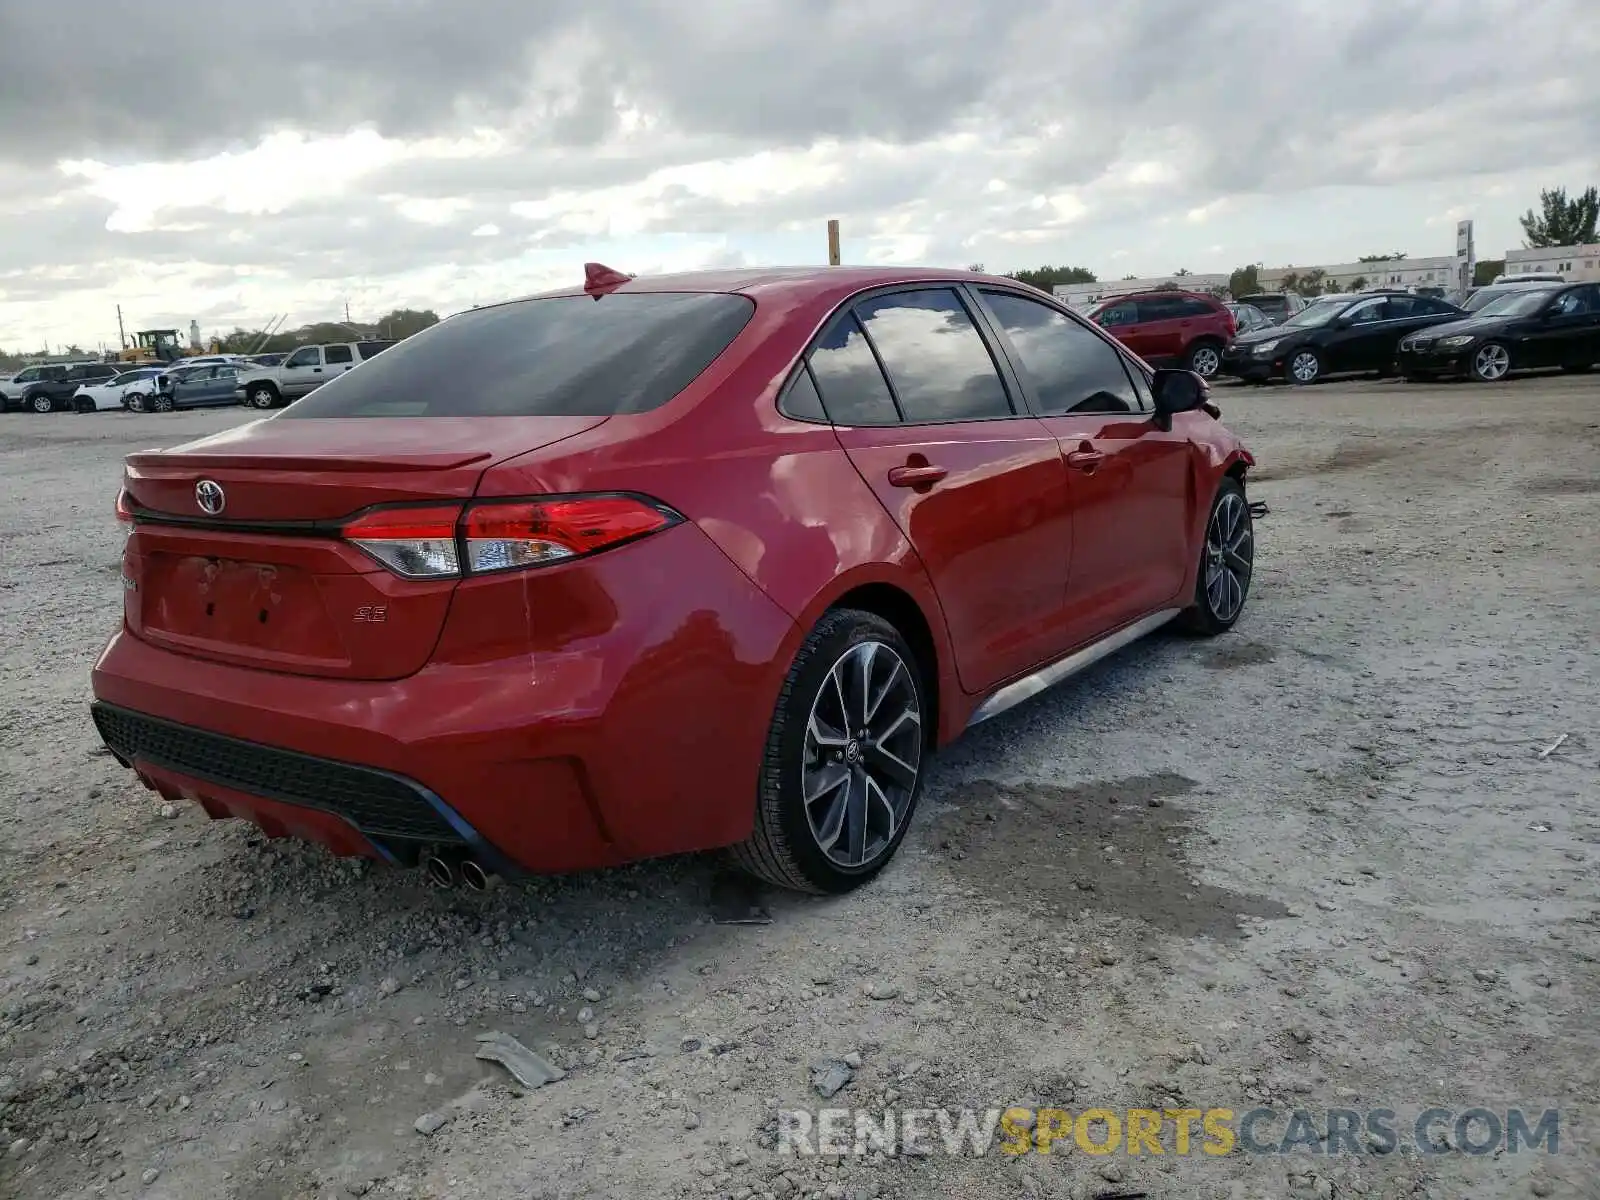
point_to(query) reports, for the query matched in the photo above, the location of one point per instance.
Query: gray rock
(430, 1123)
(881, 991)
(829, 1076)
(151, 1174)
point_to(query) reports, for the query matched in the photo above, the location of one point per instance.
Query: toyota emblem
(208, 495)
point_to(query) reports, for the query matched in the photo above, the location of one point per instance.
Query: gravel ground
(1319, 862)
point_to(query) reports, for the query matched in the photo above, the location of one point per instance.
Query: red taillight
(504, 535)
(417, 543)
(422, 542)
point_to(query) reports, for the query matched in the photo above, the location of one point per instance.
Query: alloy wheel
(1492, 362)
(1305, 367)
(261, 397)
(1230, 554)
(863, 751)
(1205, 362)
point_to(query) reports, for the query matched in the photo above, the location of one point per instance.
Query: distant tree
(1395, 257)
(403, 322)
(75, 350)
(1290, 282)
(1183, 271)
(1562, 222)
(1330, 287)
(1168, 286)
(1046, 278)
(1486, 270)
(1310, 284)
(1220, 291)
(1358, 284)
(1245, 281)
(1125, 278)
(976, 268)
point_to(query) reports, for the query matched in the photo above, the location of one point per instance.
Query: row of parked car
(260, 381)
(1497, 329)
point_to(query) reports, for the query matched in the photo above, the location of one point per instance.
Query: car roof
(775, 283)
(1179, 292)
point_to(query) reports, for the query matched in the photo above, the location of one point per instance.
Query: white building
(1081, 295)
(1362, 276)
(1581, 263)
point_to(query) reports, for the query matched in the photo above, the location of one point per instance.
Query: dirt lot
(1320, 862)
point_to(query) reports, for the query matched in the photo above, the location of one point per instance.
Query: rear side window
(1071, 369)
(847, 374)
(934, 356)
(371, 349)
(565, 356)
(338, 354)
(1125, 313)
(801, 401)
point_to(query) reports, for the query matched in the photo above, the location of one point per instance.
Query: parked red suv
(659, 565)
(1184, 329)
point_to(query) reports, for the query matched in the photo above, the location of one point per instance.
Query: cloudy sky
(235, 159)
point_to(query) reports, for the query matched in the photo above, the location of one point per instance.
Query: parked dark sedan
(1335, 334)
(1552, 326)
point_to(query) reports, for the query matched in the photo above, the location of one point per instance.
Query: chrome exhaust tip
(440, 871)
(474, 876)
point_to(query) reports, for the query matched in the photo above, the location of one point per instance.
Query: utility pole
(347, 312)
(833, 243)
(122, 334)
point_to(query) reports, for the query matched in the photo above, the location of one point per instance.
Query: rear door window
(848, 376)
(338, 354)
(938, 363)
(1162, 308)
(627, 352)
(1125, 313)
(371, 349)
(1071, 369)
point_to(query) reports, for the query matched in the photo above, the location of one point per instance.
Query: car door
(1130, 482)
(1163, 321)
(1566, 333)
(1354, 340)
(220, 387)
(975, 483)
(189, 386)
(301, 372)
(337, 360)
(1121, 321)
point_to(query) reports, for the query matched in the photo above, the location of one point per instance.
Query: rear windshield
(562, 356)
(1271, 304)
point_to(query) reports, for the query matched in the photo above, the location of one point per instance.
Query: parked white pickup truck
(304, 371)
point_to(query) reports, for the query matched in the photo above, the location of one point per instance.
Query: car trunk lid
(263, 578)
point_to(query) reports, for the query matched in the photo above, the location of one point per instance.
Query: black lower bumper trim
(379, 803)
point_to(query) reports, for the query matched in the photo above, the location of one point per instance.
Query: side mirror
(1176, 392)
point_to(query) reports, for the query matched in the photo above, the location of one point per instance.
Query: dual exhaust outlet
(447, 870)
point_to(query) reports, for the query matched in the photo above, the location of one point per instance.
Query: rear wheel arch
(900, 609)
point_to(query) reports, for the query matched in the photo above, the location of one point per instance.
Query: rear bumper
(642, 738)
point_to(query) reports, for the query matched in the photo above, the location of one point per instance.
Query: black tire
(262, 395)
(1479, 371)
(1206, 617)
(1206, 352)
(81, 405)
(40, 402)
(1306, 354)
(161, 402)
(782, 848)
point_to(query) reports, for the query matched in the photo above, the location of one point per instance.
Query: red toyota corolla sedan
(660, 565)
